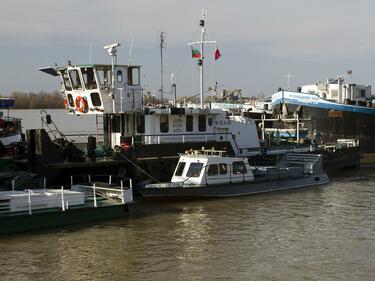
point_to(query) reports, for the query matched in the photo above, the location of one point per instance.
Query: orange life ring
(81, 104)
(66, 103)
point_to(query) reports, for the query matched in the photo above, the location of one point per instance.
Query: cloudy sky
(260, 41)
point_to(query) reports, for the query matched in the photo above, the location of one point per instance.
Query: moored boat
(36, 209)
(209, 173)
(332, 110)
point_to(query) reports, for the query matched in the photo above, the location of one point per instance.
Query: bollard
(62, 198)
(95, 205)
(30, 213)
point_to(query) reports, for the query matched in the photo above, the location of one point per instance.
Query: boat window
(180, 169)
(104, 76)
(133, 76)
(140, 124)
(189, 123)
(95, 99)
(164, 124)
(194, 170)
(210, 121)
(70, 100)
(76, 81)
(67, 85)
(239, 168)
(119, 76)
(89, 78)
(223, 169)
(202, 123)
(213, 170)
(116, 124)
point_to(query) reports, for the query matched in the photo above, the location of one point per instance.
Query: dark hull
(333, 125)
(234, 189)
(56, 218)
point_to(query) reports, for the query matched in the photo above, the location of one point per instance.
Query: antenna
(131, 50)
(288, 76)
(90, 52)
(174, 92)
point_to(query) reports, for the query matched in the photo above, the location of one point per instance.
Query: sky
(260, 41)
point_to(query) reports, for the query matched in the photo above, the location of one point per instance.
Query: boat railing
(95, 190)
(182, 138)
(109, 186)
(82, 138)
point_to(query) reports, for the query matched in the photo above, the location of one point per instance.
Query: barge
(37, 209)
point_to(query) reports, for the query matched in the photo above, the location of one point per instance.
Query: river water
(67, 123)
(324, 233)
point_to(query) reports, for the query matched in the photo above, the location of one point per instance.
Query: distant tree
(40, 100)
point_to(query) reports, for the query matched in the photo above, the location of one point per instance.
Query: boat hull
(57, 218)
(234, 189)
(330, 120)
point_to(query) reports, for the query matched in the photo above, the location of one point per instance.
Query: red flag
(217, 54)
(195, 53)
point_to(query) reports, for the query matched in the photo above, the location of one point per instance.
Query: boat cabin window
(194, 170)
(213, 170)
(189, 123)
(76, 81)
(104, 75)
(66, 81)
(116, 124)
(89, 78)
(164, 124)
(70, 100)
(202, 123)
(119, 76)
(239, 168)
(140, 124)
(223, 169)
(133, 76)
(180, 169)
(210, 121)
(95, 99)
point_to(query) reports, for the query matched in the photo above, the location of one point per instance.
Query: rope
(137, 166)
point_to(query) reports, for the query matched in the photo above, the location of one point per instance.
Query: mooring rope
(137, 166)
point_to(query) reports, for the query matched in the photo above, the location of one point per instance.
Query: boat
(81, 202)
(149, 135)
(210, 173)
(331, 110)
(10, 128)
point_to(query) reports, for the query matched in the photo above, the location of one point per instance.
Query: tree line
(40, 100)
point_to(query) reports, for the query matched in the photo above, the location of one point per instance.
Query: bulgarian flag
(217, 54)
(195, 54)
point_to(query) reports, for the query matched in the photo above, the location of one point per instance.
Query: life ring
(81, 104)
(66, 103)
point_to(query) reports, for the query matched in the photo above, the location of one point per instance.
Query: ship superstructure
(331, 111)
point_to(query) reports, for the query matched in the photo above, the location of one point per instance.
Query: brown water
(325, 233)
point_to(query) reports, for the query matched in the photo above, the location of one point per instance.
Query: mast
(202, 24)
(112, 51)
(200, 62)
(162, 40)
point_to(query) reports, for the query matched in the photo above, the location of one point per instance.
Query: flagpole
(203, 29)
(201, 43)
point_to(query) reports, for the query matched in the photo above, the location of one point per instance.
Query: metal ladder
(51, 126)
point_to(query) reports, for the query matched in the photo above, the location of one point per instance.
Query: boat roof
(7, 102)
(95, 65)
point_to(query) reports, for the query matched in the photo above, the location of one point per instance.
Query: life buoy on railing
(81, 104)
(66, 103)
